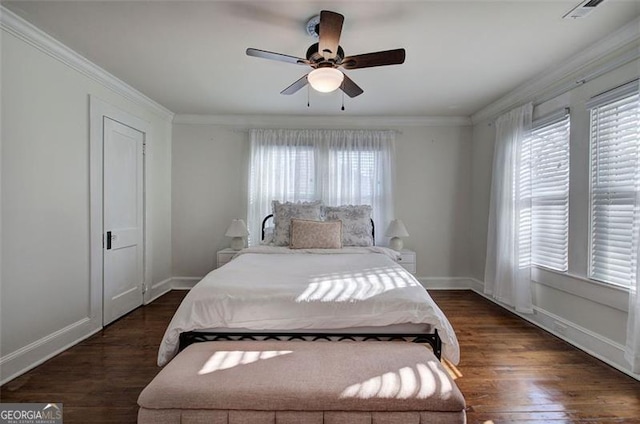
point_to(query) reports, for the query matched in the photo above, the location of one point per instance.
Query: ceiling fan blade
(329, 33)
(295, 86)
(276, 56)
(368, 60)
(350, 88)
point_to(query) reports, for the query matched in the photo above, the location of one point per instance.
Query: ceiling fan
(326, 57)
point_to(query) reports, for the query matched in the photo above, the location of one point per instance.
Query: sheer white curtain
(282, 167)
(358, 170)
(632, 348)
(335, 166)
(508, 273)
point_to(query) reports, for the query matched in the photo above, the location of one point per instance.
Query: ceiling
(190, 57)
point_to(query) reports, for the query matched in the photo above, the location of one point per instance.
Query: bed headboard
(270, 216)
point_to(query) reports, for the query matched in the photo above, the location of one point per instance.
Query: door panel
(123, 211)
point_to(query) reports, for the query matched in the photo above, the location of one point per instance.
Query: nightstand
(408, 260)
(225, 255)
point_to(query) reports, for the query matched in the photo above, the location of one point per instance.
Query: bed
(267, 292)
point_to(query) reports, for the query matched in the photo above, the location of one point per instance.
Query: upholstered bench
(260, 382)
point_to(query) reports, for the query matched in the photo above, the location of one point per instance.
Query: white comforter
(267, 288)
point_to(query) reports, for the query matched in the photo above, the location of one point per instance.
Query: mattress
(281, 289)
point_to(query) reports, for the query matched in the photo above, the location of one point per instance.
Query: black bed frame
(190, 337)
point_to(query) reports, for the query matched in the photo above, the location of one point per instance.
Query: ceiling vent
(583, 9)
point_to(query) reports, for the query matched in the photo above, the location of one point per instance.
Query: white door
(123, 276)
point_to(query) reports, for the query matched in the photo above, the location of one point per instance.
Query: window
(548, 148)
(336, 166)
(615, 143)
(346, 167)
(293, 172)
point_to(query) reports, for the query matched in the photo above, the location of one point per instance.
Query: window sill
(611, 295)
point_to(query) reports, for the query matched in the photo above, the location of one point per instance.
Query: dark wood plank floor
(526, 375)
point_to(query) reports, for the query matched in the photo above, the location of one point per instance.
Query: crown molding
(322, 121)
(29, 33)
(582, 63)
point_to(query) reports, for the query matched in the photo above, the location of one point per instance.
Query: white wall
(209, 173)
(45, 278)
(433, 175)
(591, 315)
(482, 161)
(210, 168)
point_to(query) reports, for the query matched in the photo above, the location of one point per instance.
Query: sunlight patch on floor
(453, 371)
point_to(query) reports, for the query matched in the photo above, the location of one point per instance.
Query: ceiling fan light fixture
(325, 80)
(327, 57)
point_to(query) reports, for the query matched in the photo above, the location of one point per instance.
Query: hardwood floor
(528, 375)
(524, 375)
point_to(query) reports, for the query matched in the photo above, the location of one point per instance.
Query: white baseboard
(446, 283)
(596, 345)
(34, 354)
(158, 289)
(184, 283)
(476, 285)
(28, 357)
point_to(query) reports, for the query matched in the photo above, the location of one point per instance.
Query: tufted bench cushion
(260, 382)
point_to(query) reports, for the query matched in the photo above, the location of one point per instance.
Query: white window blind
(549, 180)
(615, 143)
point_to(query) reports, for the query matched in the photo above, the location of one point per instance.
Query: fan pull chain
(308, 90)
(342, 95)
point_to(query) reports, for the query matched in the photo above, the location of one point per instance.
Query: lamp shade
(325, 80)
(238, 228)
(397, 229)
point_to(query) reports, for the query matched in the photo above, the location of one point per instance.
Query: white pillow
(284, 212)
(356, 223)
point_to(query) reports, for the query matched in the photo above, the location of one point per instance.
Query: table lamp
(396, 230)
(237, 230)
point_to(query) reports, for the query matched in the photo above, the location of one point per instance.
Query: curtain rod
(243, 130)
(598, 72)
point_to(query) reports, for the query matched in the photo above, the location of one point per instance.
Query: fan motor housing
(314, 55)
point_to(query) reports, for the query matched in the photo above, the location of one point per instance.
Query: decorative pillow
(284, 212)
(356, 223)
(316, 234)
